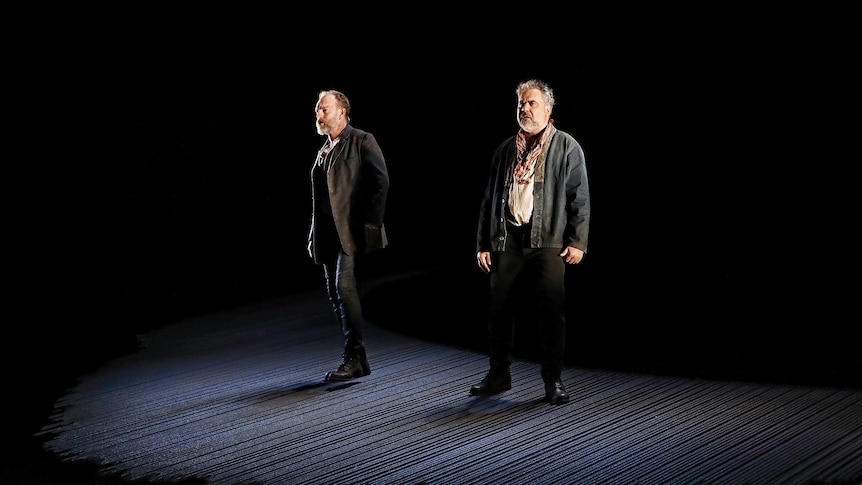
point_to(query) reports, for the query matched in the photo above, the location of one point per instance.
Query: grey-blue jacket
(561, 205)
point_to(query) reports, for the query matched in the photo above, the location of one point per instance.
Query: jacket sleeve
(376, 180)
(490, 210)
(578, 199)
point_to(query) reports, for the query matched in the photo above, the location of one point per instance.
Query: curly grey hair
(542, 86)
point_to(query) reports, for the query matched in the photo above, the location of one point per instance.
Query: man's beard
(526, 123)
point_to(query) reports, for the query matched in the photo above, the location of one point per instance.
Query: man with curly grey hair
(533, 221)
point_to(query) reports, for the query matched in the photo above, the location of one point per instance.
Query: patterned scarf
(526, 166)
(521, 192)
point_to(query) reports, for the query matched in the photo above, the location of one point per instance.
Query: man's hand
(483, 259)
(572, 255)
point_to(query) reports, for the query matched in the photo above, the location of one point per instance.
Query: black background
(164, 173)
(158, 168)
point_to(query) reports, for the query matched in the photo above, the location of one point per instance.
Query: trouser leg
(550, 309)
(343, 293)
(341, 287)
(501, 326)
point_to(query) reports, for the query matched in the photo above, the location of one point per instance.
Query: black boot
(354, 364)
(555, 392)
(496, 381)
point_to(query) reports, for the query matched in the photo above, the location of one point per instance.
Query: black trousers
(341, 288)
(339, 271)
(540, 273)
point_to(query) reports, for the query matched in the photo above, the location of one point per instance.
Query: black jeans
(341, 287)
(540, 272)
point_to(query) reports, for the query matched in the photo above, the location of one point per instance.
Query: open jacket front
(556, 222)
(358, 187)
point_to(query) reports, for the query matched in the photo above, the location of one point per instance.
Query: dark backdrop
(167, 175)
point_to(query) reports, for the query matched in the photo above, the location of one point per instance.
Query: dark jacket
(358, 183)
(561, 206)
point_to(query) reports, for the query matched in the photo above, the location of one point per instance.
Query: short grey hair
(340, 99)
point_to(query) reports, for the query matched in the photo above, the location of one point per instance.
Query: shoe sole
(329, 378)
(495, 392)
